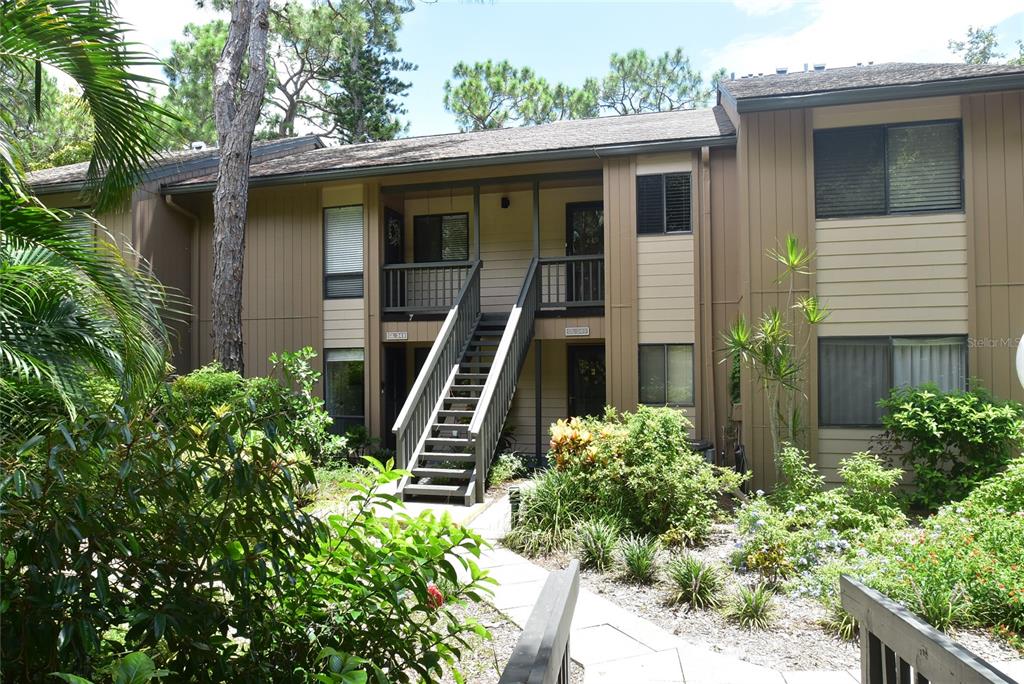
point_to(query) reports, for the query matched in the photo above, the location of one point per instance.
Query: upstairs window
(663, 204)
(440, 237)
(894, 169)
(343, 252)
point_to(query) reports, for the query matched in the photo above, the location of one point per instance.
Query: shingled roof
(876, 81)
(565, 139)
(71, 176)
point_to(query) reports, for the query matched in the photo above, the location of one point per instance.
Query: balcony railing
(571, 282)
(423, 288)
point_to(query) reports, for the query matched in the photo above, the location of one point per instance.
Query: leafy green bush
(549, 512)
(186, 544)
(638, 468)
(507, 467)
(597, 541)
(639, 558)
(694, 582)
(952, 441)
(752, 607)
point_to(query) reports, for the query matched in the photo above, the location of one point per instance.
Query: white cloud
(763, 7)
(843, 33)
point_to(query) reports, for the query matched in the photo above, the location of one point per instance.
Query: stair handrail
(444, 354)
(500, 386)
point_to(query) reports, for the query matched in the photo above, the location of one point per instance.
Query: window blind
(924, 167)
(455, 237)
(666, 374)
(343, 252)
(441, 237)
(853, 375)
(650, 205)
(936, 361)
(849, 172)
(677, 203)
(679, 360)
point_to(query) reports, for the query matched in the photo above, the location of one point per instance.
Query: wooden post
(538, 382)
(476, 219)
(536, 218)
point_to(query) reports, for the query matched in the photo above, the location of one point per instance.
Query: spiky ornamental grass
(639, 558)
(597, 541)
(752, 607)
(694, 582)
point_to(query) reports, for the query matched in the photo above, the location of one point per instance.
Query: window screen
(877, 170)
(441, 237)
(343, 386)
(343, 252)
(924, 167)
(663, 204)
(855, 373)
(666, 374)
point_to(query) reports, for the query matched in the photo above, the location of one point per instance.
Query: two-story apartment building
(471, 288)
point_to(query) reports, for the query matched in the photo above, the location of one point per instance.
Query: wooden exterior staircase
(449, 427)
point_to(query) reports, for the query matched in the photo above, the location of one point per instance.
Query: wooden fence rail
(897, 647)
(542, 654)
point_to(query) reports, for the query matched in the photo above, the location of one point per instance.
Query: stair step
(447, 441)
(455, 413)
(468, 376)
(461, 400)
(451, 473)
(467, 388)
(435, 490)
(454, 430)
(453, 456)
(475, 364)
(480, 352)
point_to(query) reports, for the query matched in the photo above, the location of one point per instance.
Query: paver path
(615, 646)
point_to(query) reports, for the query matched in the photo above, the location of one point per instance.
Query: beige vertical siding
(894, 275)
(622, 337)
(776, 185)
(554, 400)
(665, 289)
(282, 300)
(994, 172)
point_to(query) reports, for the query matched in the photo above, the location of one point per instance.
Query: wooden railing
(572, 281)
(542, 654)
(897, 646)
(500, 386)
(444, 355)
(422, 288)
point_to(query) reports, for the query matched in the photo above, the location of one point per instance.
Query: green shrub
(694, 582)
(506, 468)
(839, 622)
(752, 607)
(195, 395)
(549, 511)
(186, 544)
(638, 468)
(597, 540)
(952, 441)
(639, 558)
(800, 479)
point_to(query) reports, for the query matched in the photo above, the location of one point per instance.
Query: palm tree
(71, 308)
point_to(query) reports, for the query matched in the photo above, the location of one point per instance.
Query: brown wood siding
(994, 173)
(282, 300)
(373, 258)
(622, 354)
(775, 167)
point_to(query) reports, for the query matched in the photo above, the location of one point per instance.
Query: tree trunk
(236, 109)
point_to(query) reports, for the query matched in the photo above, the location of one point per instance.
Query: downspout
(193, 276)
(709, 420)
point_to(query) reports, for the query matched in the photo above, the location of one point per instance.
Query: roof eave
(961, 86)
(462, 163)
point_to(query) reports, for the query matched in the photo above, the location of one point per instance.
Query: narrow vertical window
(343, 387)
(343, 252)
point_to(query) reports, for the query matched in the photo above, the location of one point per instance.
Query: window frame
(889, 380)
(884, 128)
(664, 204)
(350, 275)
(441, 216)
(334, 424)
(693, 369)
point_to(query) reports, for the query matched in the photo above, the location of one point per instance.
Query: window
(343, 387)
(666, 374)
(440, 237)
(878, 170)
(343, 252)
(854, 373)
(663, 204)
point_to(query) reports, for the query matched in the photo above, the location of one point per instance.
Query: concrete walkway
(615, 646)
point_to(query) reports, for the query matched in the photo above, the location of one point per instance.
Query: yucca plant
(776, 348)
(639, 558)
(752, 607)
(694, 582)
(597, 540)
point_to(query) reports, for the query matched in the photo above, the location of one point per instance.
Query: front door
(584, 236)
(586, 380)
(395, 389)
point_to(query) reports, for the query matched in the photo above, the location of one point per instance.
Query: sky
(569, 41)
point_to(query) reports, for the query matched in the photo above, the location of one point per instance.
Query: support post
(538, 379)
(476, 219)
(536, 218)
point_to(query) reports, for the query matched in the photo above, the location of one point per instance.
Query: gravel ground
(796, 641)
(484, 659)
